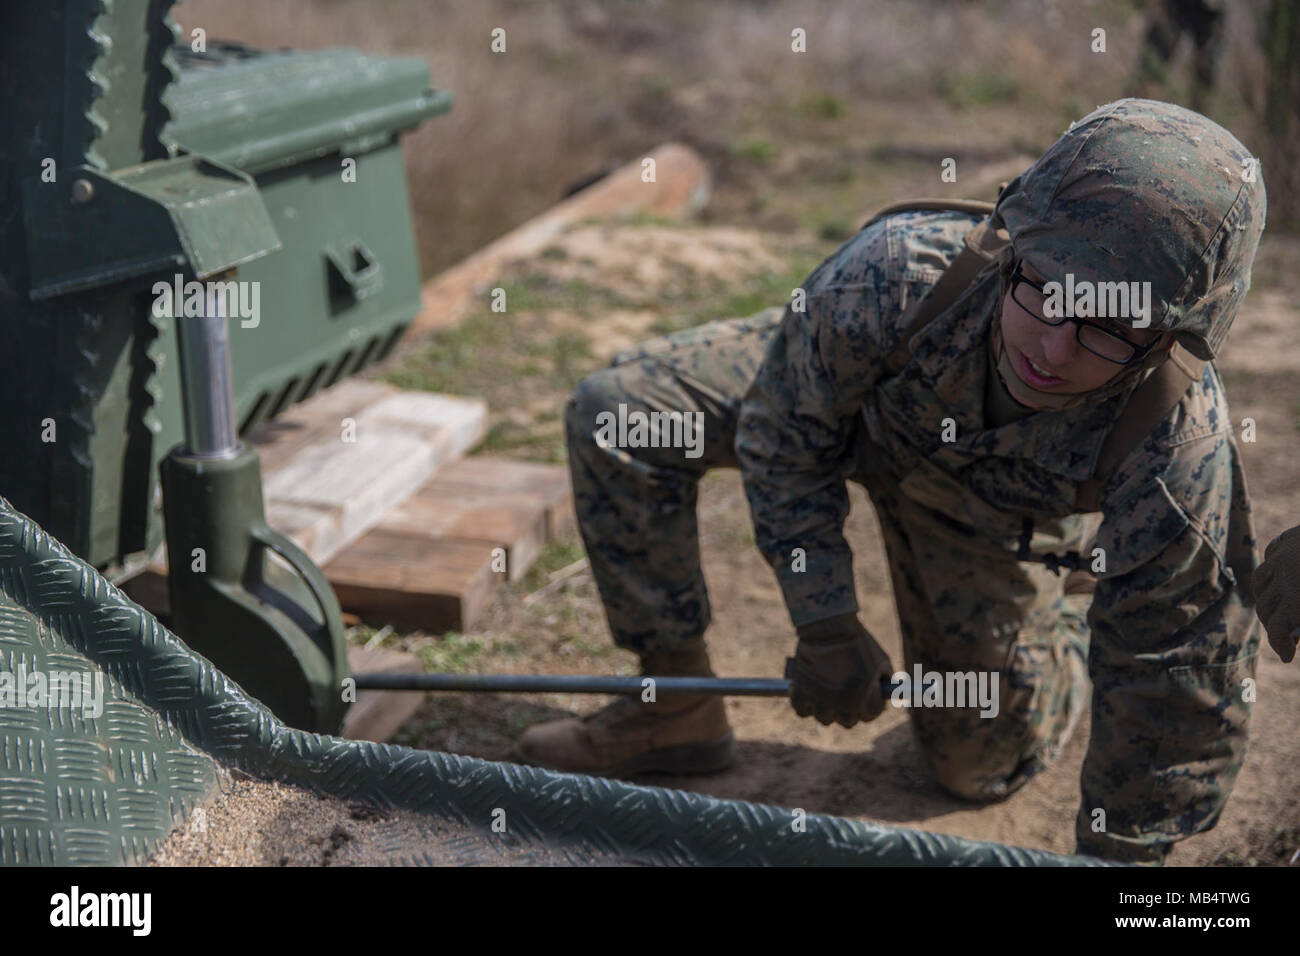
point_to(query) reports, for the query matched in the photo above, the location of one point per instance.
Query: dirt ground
(255, 823)
(873, 771)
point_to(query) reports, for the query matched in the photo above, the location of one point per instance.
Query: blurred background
(886, 89)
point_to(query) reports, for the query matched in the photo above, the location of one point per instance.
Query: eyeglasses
(1097, 339)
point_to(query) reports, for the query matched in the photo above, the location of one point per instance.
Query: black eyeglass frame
(1139, 351)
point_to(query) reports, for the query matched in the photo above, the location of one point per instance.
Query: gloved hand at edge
(837, 672)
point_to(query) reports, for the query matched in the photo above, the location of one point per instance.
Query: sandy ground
(256, 823)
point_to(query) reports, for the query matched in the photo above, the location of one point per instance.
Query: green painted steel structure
(101, 113)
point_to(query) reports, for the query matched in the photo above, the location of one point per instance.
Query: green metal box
(346, 284)
(88, 375)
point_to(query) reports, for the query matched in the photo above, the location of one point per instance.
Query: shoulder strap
(976, 207)
(1146, 408)
(980, 246)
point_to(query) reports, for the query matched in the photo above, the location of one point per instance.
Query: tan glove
(1277, 592)
(838, 672)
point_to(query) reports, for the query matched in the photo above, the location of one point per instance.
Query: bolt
(83, 191)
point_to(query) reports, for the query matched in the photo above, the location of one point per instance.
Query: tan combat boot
(678, 733)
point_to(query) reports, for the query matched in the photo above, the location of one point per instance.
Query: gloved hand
(1277, 592)
(837, 672)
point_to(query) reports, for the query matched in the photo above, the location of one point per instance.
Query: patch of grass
(449, 361)
(755, 149)
(453, 653)
(834, 230)
(532, 291)
(515, 361)
(570, 355)
(556, 555)
(508, 645)
(508, 358)
(823, 106)
(773, 288)
(521, 441)
(961, 91)
(643, 218)
(657, 84)
(666, 325)
(590, 647)
(738, 300)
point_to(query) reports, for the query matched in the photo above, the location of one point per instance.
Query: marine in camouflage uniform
(800, 401)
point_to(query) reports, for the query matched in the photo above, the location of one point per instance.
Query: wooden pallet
(377, 714)
(331, 472)
(434, 561)
(334, 464)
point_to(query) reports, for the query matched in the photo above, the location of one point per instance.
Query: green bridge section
(85, 785)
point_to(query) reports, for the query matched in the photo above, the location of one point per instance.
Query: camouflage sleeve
(798, 418)
(1173, 647)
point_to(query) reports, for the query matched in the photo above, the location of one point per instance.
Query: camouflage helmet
(1140, 190)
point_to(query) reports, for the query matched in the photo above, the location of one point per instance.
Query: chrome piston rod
(207, 386)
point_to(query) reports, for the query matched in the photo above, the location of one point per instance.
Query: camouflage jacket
(1172, 637)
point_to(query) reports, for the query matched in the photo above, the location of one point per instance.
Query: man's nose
(1059, 344)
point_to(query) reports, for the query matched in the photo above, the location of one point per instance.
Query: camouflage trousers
(962, 607)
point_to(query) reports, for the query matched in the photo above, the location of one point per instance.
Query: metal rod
(582, 684)
(207, 392)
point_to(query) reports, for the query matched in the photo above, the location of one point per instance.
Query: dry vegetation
(885, 91)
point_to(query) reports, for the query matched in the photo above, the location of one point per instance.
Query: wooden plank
(318, 418)
(680, 188)
(514, 521)
(425, 561)
(378, 714)
(547, 483)
(325, 484)
(410, 578)
(350, 479)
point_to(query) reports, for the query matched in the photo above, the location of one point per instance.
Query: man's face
(1049, 357)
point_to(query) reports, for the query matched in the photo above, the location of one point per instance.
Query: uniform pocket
(1205, 727)
(1208, 714)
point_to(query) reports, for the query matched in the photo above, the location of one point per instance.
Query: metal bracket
(354, 272)
(92, 229)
